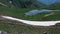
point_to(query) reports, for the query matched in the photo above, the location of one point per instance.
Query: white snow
(48, 14)
(3, 4)
(10, 2)
(0, 32)
(36, 23)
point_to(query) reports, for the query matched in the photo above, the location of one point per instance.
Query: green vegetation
(55, 6)
(19, 13)
(14, 28)
(23, 3)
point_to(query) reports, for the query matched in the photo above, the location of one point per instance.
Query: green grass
(55, 16)
(12, 28)
(19, 13)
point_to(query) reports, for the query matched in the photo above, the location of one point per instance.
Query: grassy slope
(4, 1)
(53, 6)
(20, 3)
(12, 28)
(19, 13)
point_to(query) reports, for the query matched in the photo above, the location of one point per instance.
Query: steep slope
(47, 2)
(27, 3)
(54, 6)
(23, 3)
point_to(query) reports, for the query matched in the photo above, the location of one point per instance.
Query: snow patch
(36, 23)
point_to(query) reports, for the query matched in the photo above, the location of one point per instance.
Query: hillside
(55, 6)
(23, 3)
(17, 10)
(30, 4)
